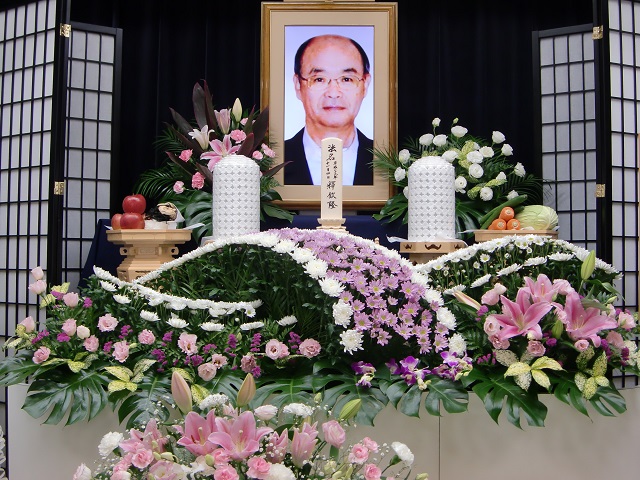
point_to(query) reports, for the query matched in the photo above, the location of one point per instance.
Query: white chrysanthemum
(487, 152)
(122, 299)
(108, 286)
(251, 326)
(400, 174)
(217, 310)
(512, 194)
(404, 156)
(475, 170)
(529, 262)
(497, 137)
(457, 344)
(212, 327)
(214, 400)
(459, 131)
(508, 270)
(316, 268)
(298, 409)
(419, 279)
(279, 471)
(486, 194)
(149, 316)
(475, 157)
(450, 155)
(302, 255)
(402, 451)
(507, 150)
(460, 184)
(351, 340)
(432, 295)
(519, 170)
(481, 281)
(446, 318)
(440, 140)
(268, 240)
(177, 304)
(560, 257)
(435, 122)
(284, 246)
(249, 311)
(155, 300)
(109, 443)
(177, 322)
(331, 287)
(288, 320)
(426, 139)
(454, 289)
(342, 313)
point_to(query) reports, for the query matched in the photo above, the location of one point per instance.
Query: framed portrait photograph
(329, 70)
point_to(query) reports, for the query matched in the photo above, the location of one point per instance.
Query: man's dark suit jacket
(297, 172)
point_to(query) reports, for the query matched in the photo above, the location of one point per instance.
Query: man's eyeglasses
(320, 82)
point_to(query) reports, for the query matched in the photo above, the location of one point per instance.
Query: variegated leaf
(516, 369)
(541, 378)
(524, 380)
(590, 388)
(117, 385)
(121, 373)
(199, 393)
(48, 299)
(184, 374)
(505, 357)
(142, 366)
(580, 380)
(15, 343)
(64, 288)
(584, 357)
(600, 365)
(602, 381)
(75, 367)
(546, 362)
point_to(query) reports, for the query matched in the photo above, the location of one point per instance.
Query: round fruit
(115, 221)
(135, 203)
(513, 224)
(507, 214)
(498, 224)
(130, 220)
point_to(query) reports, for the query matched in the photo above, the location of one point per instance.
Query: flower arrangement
(312, 311)
(193, 149)
(486, 177)
(226, 442)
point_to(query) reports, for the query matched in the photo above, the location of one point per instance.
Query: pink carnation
(185, 155)
(197, 181)
(226, 472)
(207, 371)
(372, 472)
(238, 136)
(178, 187)
(310, 348)
(258, 468)
(142, 458)
(359, 454)
(257, 155)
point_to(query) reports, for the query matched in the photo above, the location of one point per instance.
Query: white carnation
(487, 152)
(279, 471)
(404, 156)
(519, 170)
(475, 157)
(459, 131)
(426, 139)
(331, 287)
(476, 170)
(298, 409)
(486, 194)
(400, 174)
(440, 140)
(497, 137)
(176, 322)
(433, 296)
(342, 313)
(507, 150)
(450, 155)
(351, 340)
(446, 318)
(109, 443)
(403, 452)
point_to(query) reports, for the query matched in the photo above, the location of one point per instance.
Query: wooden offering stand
(422, 252)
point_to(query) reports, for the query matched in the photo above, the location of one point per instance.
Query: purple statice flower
(194, 360)
(255, 342)
(40, 336)
(551, 342)
(167, 337)
(63, 337)
(87, 302)
(159, 354)
(107, 347)
(294, 341)
(125, 331)
(232, 342)
(57, 295)
(208, 347)
(256, 372)
(488, 358)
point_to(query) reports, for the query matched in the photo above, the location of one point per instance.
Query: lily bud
(181, 392)
(236, 110)
(350, 409)
(156, 456)
(588, 265)
(208, 459)
(466, 299)
(557, 329)
(247, 391)
(422, 476)
(167, 456)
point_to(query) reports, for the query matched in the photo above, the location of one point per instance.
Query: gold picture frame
(376, 23)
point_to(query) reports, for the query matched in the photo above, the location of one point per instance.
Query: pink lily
(195, 435)
(145, 439)
(239, 436)
(276, 448)
(201, 136)
(223, 117)
(303, 443)
(541, 290)
(521, 317)
(585, 324)
(220, 149)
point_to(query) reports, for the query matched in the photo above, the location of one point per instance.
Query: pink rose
(372, 472)
(187, 343)
(185, 155)
(121, 351)
(334, 434)
(83, 332)
(491, 325)
(29, 324)
(207, 371)
(581, 345)
(615, 339)
(142, 458)
(71, 299)
(69, 326)
(38, 287)
(107, 323)
(258, 467)
(197, 181)
(225, 472)
(535, 348)
(276, 349)
(359, 454)
(178, 187)
(499, 343)
(146, 337)
(310, 348)
(91, 344)
(37, 273)
(370, 444)
(41, 355)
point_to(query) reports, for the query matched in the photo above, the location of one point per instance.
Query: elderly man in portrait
(331, 78)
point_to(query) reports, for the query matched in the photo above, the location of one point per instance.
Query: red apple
(115, 221)
(135, 203)
(130, 220)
